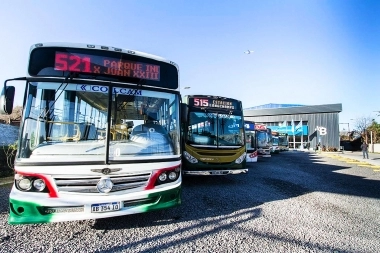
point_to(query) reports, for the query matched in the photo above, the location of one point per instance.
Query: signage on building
(322, 130)
(283, 130)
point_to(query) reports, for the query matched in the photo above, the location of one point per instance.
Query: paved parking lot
(291, 202)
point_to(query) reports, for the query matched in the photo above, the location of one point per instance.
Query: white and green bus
(99, 135)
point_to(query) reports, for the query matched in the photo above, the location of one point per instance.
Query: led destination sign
(214, 103)
(106, 65)
(94, 64)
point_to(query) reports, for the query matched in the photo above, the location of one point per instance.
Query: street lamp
(348, 126)
(184, 88)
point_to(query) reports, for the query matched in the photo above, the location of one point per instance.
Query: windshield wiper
(65, 82)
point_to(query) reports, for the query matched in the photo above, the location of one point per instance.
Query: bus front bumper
(24, 210)
(214, 172)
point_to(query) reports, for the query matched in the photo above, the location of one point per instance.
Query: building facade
(304, 125)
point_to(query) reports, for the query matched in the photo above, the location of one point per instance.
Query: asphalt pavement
(374, 160)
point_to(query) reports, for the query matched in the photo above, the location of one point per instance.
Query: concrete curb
(6, 180)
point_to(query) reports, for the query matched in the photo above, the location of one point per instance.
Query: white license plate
(105, 207)
(217, 172)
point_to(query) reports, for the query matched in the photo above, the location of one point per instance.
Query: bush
(329, 149)
(7, 158)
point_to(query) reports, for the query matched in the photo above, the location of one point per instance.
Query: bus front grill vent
(88, 184)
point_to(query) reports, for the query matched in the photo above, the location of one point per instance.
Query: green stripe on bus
(22, 212)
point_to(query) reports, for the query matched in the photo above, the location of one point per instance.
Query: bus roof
(100, 47)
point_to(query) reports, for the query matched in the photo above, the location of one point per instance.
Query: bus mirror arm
(183, 112)
(7, 96)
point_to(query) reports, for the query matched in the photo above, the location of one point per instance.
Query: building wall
(374, 148)
(326, 116)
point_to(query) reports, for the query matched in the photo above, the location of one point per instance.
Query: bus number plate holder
(105, 207)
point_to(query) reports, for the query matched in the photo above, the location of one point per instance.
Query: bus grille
(215, 154)
(216, 163)
(88, 184)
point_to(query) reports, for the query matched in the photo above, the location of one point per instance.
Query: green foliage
(375, 129)
(8, 155)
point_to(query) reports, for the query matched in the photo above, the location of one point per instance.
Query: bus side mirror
(184, 111)
(6, 100)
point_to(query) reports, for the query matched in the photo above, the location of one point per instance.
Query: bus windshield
(262, 139)
(215, 130)
(282, 140)
(68, 122)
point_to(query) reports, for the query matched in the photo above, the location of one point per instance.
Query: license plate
(217, 172)
(105, 207)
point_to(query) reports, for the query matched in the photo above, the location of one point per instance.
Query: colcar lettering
(104, 89)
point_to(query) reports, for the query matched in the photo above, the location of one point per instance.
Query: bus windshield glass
(69, 122)
(262, 139)
(215, 130)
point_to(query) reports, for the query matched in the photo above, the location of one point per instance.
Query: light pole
(184, 88)
(354, 122)
(348, 126)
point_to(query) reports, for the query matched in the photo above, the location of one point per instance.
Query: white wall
(376, 148)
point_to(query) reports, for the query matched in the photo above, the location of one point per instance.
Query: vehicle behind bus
(264, 142)
(251, 141)
(283, 142)
(213, 136)
(275, 143)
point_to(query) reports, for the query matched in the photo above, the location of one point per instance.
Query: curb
(6, 180)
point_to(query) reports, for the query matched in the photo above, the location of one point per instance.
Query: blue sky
(305, 52)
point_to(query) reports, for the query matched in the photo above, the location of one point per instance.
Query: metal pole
(301, 134)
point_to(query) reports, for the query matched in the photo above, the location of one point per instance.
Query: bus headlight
(24, 184)
(30, 184)
(241, 158)
(39, 184)
(162, 177)
(189, 157)
(173, 176)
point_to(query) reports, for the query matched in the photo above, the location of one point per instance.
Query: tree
(375, 129)
(364, 126)
(362, 123)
